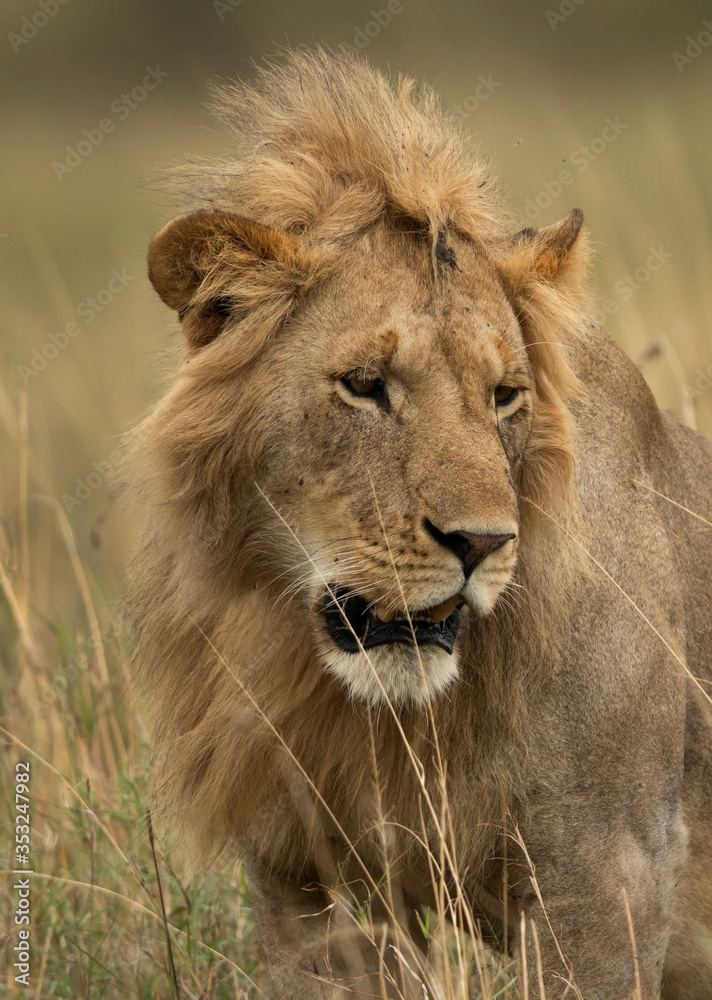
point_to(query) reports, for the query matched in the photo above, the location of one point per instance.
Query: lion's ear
(199, 264)
(545, 269)
(548, 250)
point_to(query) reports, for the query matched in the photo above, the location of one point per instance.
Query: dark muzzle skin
(353, 626)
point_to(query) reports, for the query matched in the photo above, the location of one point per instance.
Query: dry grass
(112, 917)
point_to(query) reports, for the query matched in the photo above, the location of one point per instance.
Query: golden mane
(325, 150)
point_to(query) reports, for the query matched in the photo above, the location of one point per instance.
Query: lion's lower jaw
(397, 673)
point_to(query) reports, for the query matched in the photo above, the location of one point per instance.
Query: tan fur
(356, 230)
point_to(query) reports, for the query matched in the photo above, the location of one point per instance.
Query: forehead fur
(373, 313)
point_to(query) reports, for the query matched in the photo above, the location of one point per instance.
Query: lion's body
(566, 711)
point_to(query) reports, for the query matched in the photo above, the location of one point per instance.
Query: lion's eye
(364, 386)
(505, 394)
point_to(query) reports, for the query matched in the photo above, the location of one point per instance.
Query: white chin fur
(394, 672)
(481, 594)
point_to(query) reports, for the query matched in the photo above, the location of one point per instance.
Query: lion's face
(399, 411)
(380, 416)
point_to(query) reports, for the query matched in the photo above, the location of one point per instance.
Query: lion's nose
(469, 548)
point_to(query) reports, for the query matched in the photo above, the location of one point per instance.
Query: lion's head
(374, 372)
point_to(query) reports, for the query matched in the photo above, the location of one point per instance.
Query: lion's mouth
(353, 624)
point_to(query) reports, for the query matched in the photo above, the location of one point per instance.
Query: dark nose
(469, 548)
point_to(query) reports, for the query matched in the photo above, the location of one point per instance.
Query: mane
(325, 146)
(325, 149)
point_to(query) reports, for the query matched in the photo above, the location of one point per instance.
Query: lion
(423, 602)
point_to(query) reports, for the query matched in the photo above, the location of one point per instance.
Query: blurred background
(599, 104)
